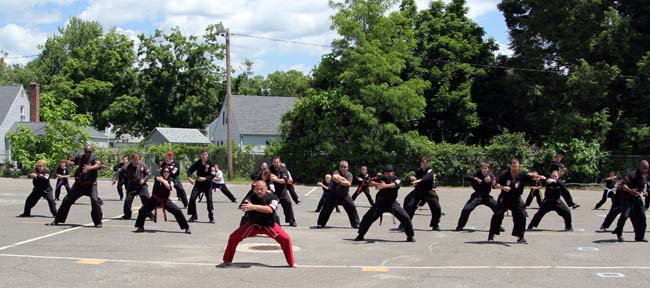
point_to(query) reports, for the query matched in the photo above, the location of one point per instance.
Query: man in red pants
(261, 208)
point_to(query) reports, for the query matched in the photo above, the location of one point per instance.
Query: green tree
(179, 83)
(64, 134)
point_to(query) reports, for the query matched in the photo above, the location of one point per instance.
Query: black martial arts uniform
(510, 201)
(632, 206)
(85, 185)
(174, 173)
(424, 191)
(386, 203)
(481, 196)
(339, 195)
(552, 202)
(160, 198)
(42, 189)
(363, 188)
(208, 171)
(133, 174)
(62, 181)
(281, 193)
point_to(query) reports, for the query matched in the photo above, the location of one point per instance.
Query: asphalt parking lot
(76, 254)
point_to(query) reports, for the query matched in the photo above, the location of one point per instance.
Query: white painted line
(610, 275)
(588, 249)
(55, 233)
(337, 266)
(310, 191)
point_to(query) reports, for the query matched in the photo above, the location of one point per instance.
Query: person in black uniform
(121, 181)
(42, 189)
(218, 182)
(175, 170)
(280, 177)
(552, 202)
(610, 187)
(631, 202)
(512, 184)
(388, 184)
(326, 191)
(85, 185)
(558, 166)
(339, 195)
(535, 192)
(62, 175)
(425, 191)
(482, 181)
(162, 188)
(136, 175)
(205, 171)
(364, 180)
(291, 187)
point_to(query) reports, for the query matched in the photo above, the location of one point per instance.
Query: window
(223, 118)
(22, 113)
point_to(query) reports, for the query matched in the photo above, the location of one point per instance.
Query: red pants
(250, 230)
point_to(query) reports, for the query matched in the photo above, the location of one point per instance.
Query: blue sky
(25, 24)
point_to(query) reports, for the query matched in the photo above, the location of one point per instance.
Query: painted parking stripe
(310, 191)
(91, 261)
(343, 266)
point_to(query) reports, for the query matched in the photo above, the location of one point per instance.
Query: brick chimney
(34, 91)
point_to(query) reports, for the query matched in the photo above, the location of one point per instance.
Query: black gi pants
(374, 213)
(606, 194)
(633, 209)
(366, 191)
(201, 187)
(152, 203)
(121, 186)
(611, 215)
(285, 201)
(332, 201)
(518, 217)
(552, 205)
(292, 193)
(180, 191)
(59, 183)
(36, 195)
(77, 191)
(537, 194)
(224, 189)
(474, 201)
(414, 197)
(321, 202)
(128, 201)
(566, 195)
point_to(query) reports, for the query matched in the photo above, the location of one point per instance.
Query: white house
(256, 121)
(14, 107)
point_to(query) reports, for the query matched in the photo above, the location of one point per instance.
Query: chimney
(34, 91)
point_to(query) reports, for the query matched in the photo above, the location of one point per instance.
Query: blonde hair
(41, 162)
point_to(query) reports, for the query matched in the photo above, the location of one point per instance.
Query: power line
(281, 40)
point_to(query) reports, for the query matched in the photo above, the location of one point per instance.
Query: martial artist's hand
(191, 180)
(86, 168)
(506, 188)
(246, 206)
(478, 180)
(200, 179)
(141, 182)
(488, 179)
(32, 175)
(112, 182)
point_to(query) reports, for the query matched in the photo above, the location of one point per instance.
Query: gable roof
(181, 135)
(260, 115)
(38, 128)
(7, 96)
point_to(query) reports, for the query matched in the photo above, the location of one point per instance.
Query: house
(256, 121)
(188, 136)
(14, 107)
(96, 138)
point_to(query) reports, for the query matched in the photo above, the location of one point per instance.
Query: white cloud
(116, 12)
(477, 8)
(504, 49)
(19, 41)
(11, 6)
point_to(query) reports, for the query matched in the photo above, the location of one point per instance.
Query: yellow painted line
(374, 269)
(91, 261)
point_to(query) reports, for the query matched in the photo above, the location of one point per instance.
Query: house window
(22, 113)
(223, 118)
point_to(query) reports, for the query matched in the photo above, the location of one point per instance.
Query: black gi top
(206, 170)
(386, 197)
(337, 188)
(610, 183)
(174, 169)
(365, 178)
(117, 167)
(63, 171)
(85, 178)
(160, 191)
(259, 218)
(633, 180)
(281, 173)
(42, 180)
(484, 188)
(133, 174)
(554, 191)
(427, 179)
(516, 185)
(556, 166)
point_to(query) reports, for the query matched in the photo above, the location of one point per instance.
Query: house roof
(7, 96)
(180, 135)
(38, 128)
(260, 115)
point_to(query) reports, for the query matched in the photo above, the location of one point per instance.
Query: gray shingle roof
(38, 128)
(7, 96)
(182, 135)
(260, 115)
